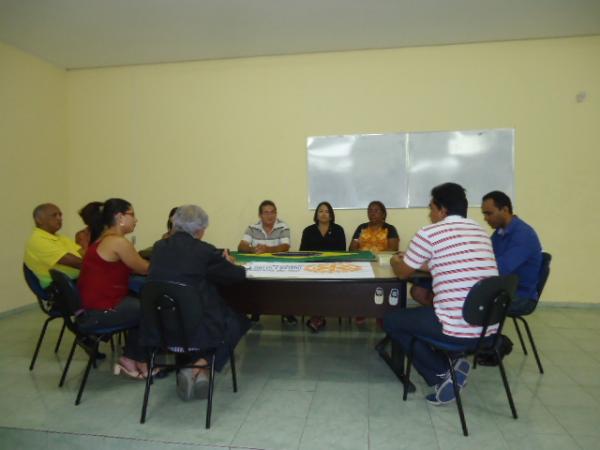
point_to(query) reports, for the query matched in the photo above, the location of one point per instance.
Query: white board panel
(400, 169)
(350, 171)
(481, 161)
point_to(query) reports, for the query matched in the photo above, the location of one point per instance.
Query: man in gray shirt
(268, 235)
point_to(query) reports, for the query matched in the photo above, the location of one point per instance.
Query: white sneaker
(462, 367)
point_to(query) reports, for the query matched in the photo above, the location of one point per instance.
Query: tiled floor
(307, 392)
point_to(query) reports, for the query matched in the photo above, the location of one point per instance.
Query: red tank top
(102, 284)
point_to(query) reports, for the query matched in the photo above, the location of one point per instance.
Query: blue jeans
(403, 324)
(126, 312)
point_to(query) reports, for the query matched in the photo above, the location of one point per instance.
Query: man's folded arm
(70, 260)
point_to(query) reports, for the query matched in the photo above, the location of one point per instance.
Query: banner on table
(318, 270)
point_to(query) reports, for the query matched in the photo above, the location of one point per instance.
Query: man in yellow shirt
(46, 250)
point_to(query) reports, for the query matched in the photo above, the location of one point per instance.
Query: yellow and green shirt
(44, 250)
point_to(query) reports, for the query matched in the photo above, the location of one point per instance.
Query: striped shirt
(458, 253)
(256, 235)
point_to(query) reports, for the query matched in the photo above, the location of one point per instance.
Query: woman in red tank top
(103, 282)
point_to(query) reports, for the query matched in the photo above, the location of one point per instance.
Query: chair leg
(459, 406)
(91, 362)
(407, 377)
(112, 343)
(409, 357)
(148, 384)
(233, 371)
(66, 369)
(39, 343)
(211, 384)
(533, 347)
(60, 336)
(506, 386)
(519, 334)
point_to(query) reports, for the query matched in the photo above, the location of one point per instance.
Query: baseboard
(544, 304)
(17, 310)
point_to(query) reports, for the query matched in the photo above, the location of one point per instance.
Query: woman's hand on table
(228, 257)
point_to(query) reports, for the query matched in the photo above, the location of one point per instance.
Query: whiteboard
(400, 169)
(352, 170)
(480, 161)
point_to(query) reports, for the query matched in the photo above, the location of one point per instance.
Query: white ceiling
(95, 33)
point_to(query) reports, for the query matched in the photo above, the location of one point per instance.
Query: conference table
(327, 296)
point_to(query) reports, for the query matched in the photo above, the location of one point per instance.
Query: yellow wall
(227, 134)
(33, 145)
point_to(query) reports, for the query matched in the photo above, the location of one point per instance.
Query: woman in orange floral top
(375, 235)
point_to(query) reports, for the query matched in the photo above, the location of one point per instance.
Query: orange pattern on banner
(333, 268)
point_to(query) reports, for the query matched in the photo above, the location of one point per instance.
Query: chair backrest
(488, 300)
(544, 272)
(34, 284)
(44, 297)
(163, 323)
(67, 300)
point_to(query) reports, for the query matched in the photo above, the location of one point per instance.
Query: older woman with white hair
(183, 257)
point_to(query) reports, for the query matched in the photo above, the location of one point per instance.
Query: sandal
(315, 324)
(135, 374)
(155, 372)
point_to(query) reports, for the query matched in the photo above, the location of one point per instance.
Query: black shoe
(290, 320)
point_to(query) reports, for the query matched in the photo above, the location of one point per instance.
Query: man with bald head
(47, 250)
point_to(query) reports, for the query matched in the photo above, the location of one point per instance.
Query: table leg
(395, 359)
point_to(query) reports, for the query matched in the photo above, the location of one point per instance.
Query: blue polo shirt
(518, 250)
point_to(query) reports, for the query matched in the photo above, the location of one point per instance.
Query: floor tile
(67, 441)
(542, 442)
(402, 433)
(477, 439)
(335, 433)
(298, 390)
(23, 439)
(587, 442)
(282, 403)
(272, 433)
(578, 419)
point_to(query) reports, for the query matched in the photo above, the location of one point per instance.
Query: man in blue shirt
(517, 249)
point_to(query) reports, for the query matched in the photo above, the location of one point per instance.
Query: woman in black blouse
(323, 235)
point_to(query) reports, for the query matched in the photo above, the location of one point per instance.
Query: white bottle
(379, 295)
(394, 295)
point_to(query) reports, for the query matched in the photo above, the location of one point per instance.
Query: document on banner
(316, 270)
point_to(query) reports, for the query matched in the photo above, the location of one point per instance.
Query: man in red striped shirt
(458, 253)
